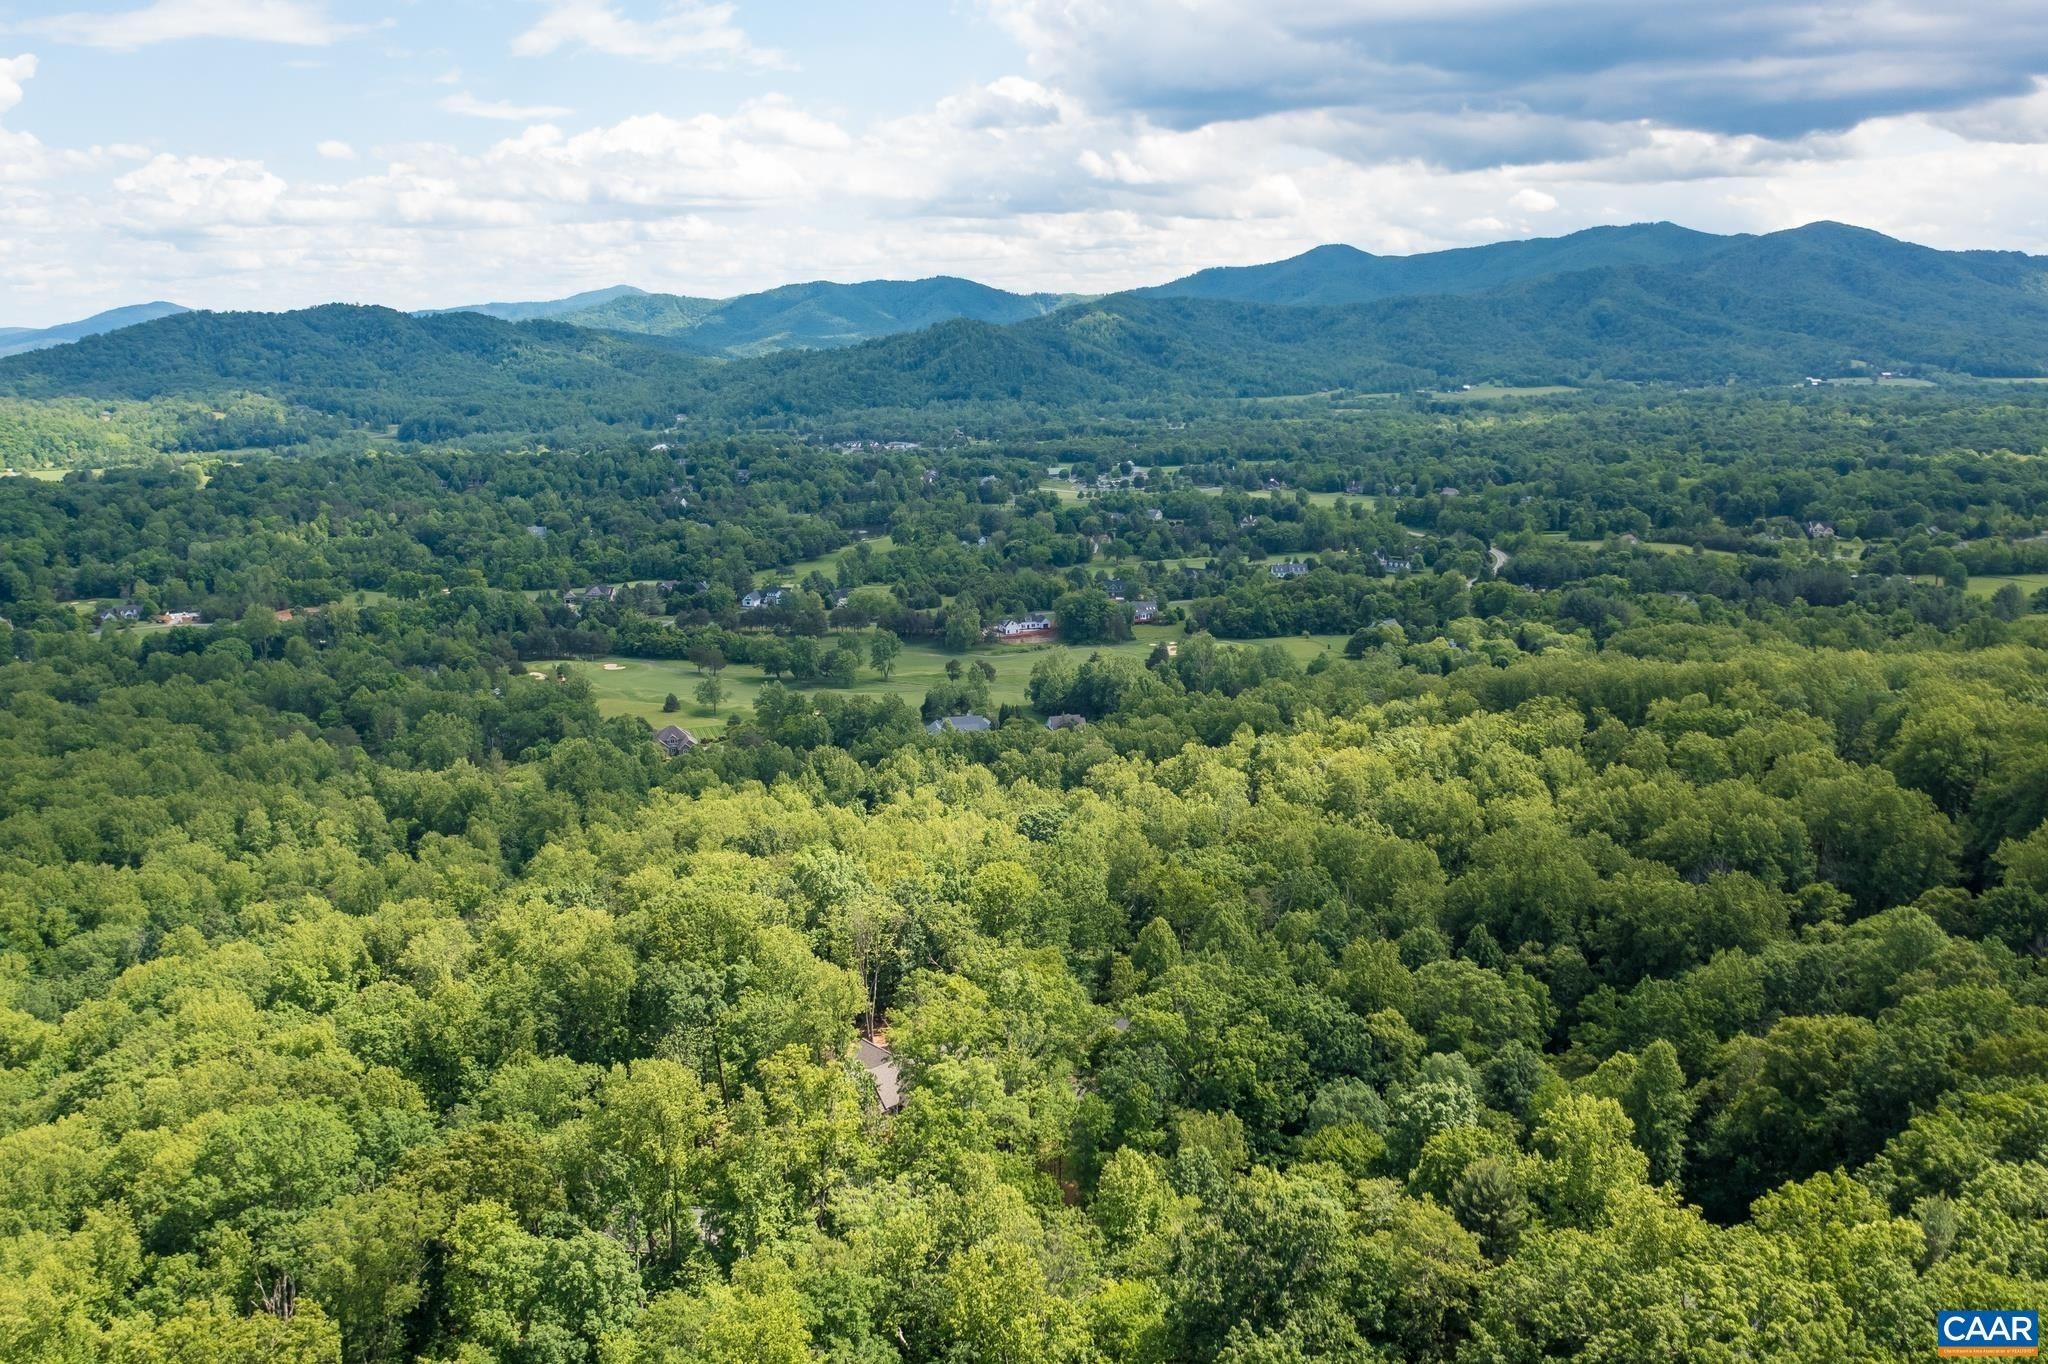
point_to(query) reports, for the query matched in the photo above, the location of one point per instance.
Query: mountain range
(1651, 303)
(1335, 275)
(19, 340)
(815, 316)
(532, 312)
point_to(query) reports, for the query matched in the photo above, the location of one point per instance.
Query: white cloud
(470, 106)
(1010, 102)
(195, 191)
(13, 71)
(22, 157)
(686, 32)
(299, 23)
(1533, 201)
(336, 150)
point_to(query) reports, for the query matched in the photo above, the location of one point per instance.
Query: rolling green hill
(814, 316)
(644, 314)
(450, 374)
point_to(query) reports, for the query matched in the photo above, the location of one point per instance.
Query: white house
(1028, 625)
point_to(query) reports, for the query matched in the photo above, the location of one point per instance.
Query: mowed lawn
(637, 686)
(2028, 583)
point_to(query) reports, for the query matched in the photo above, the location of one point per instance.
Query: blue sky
(278, 153)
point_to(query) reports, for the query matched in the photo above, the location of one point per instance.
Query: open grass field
(1665, 547)
(1316, 499)
(1653, 546)
(1480, 393)
(2029, 583)
(636, 686)
(828, 564)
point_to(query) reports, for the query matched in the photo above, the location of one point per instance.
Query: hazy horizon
(515, 296)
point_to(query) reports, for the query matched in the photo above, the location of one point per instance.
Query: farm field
(637, 686)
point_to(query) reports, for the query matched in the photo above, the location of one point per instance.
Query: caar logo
(1987, 1333)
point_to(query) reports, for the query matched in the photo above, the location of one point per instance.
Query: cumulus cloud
(189, 191)
(470, 106)
(685, 31)
(298, 23)
(1007, 103)
(336, 150)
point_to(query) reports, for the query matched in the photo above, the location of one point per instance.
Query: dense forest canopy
(1464, 879)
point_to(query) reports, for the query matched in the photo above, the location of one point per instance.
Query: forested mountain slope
(1333, 275)
(1822, 300)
